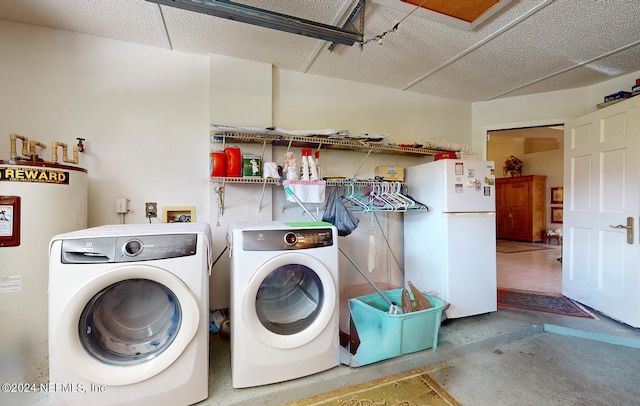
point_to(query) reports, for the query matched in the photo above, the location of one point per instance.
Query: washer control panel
(293, 239)
(128, 248)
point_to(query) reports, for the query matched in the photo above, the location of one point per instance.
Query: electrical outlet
(122, 205)
(151, 209)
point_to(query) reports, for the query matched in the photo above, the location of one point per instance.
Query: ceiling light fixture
(266, 18)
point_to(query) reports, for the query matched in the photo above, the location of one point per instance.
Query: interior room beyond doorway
(536, 271)
(541, 150)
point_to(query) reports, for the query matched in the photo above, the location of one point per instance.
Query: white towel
(307, 191)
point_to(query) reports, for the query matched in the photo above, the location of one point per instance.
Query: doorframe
(547, 122)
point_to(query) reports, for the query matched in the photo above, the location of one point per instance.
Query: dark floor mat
(543, 302)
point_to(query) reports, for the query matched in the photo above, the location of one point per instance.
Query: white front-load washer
(129, 315)
(284, 301)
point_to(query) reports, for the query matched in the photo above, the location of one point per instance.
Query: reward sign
(34, 175)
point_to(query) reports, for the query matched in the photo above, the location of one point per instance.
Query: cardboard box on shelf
(392, 173)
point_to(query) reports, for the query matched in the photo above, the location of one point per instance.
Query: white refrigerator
(450, 250)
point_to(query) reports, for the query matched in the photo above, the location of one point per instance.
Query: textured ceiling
(529, 46)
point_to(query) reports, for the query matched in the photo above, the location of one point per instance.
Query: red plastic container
(445, 155)
(218, 164)
(234, 161)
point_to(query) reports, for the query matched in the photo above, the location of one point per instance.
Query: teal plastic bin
(383, 335)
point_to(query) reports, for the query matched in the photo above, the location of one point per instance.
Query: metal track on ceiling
(266, 18)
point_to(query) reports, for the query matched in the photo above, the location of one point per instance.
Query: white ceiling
(530, 46)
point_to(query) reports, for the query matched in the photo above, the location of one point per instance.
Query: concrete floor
(509, 357)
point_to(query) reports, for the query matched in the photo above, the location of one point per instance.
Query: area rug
(410, 388)
(512, 247)
(542, 302)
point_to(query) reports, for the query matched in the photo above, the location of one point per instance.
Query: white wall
(144, 114)
(541, 109)
(241, 95)
(548, 163)
(143, 111)
(309, 101)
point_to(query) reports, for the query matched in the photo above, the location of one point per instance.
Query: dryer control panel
(128, 248)
(293, 239)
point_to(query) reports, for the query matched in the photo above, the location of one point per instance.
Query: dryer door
(127, 325)
(290, 300)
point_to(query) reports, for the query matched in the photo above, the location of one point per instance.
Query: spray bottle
(313, 166)
(318, 167)
(305, 165)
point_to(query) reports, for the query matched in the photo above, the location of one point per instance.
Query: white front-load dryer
(284, 301)
(129, 315)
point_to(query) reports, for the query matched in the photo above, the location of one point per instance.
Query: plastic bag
(338, 215)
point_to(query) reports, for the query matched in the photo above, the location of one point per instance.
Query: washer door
(289, 301)
(127, 325)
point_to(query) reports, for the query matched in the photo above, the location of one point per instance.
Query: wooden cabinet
(520, 207)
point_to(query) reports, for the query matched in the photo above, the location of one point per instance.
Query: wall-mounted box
(179, 214)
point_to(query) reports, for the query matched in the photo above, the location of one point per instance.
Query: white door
(600, 254)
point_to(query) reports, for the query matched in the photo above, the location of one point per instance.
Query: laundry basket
(380, 335)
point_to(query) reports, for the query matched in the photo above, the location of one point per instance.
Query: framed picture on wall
(556, 195)
(556, 214)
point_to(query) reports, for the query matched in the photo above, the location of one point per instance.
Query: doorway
(540, 149)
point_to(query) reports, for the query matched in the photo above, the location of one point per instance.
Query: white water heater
(37, 201)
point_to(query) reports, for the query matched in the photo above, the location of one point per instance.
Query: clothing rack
(377, 196)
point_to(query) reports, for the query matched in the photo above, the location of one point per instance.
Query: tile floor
(538, 271)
